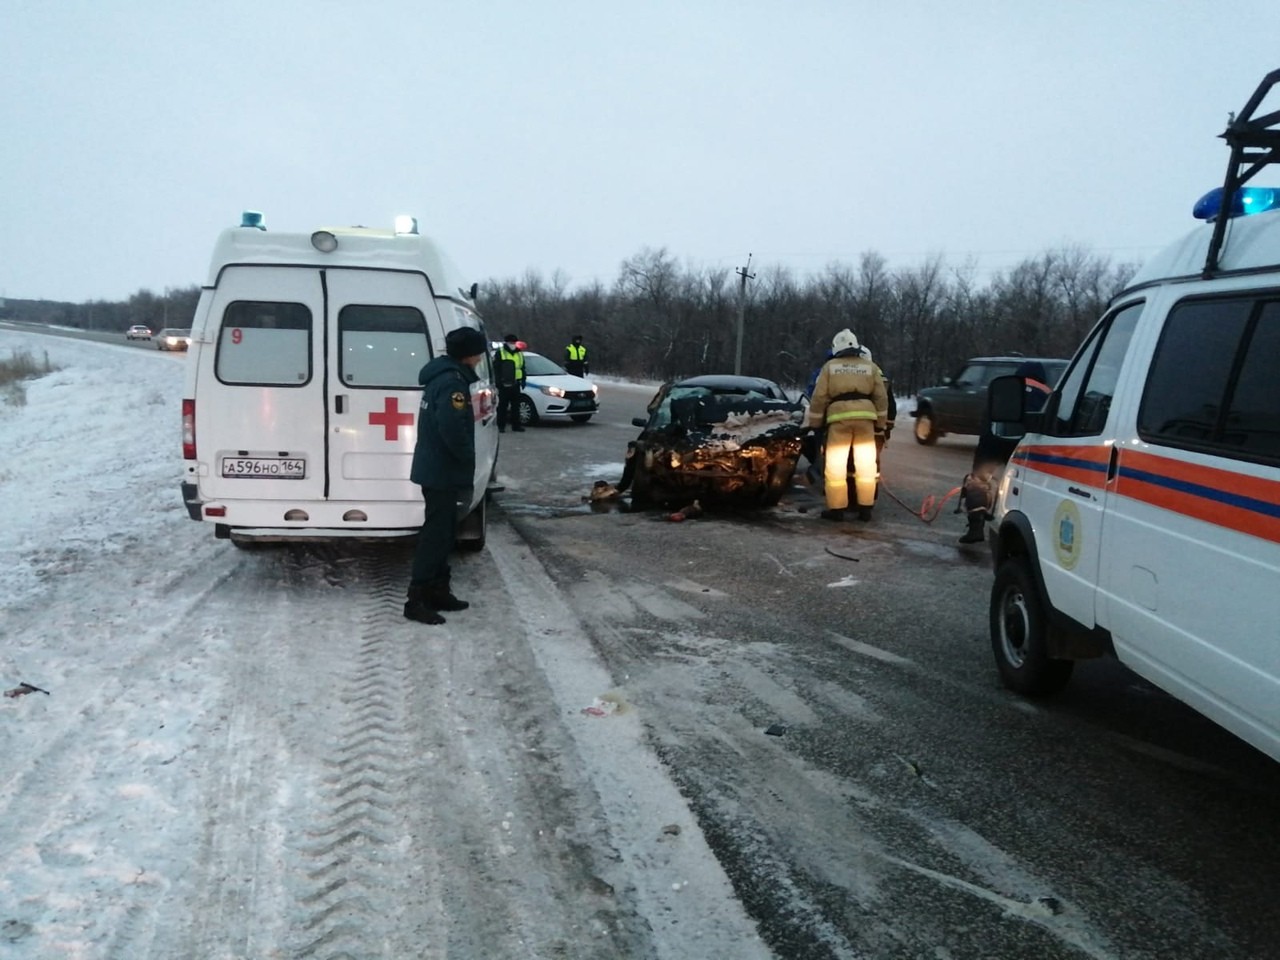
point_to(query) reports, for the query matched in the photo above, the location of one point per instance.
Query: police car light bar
(1246, 200)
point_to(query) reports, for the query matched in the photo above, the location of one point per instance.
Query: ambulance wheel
(526, 413)
(926, 433)
(580, 417)
(471, 529)
(1019, 634)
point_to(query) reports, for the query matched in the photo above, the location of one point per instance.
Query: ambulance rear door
(379, 324)
(260, 386)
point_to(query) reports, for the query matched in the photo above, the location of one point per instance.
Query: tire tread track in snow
(351, 851)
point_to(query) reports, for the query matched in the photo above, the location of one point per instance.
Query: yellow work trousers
(860, 435)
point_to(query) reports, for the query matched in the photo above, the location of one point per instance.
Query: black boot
(832, 514)
(440, 597)
(418, 607)
(864, 514)
(976, 532)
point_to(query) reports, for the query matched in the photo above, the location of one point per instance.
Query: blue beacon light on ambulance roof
(253, 218)
(1246, 200)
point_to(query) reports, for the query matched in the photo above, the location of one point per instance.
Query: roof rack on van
(1254, 142)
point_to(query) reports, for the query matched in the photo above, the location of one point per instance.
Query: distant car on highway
(172, 338)
(138, 332)
(960, 404)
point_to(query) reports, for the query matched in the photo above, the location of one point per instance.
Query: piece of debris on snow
(22, 689)
(691, 512)
(603, 490)
(775, 730)
(605, 705)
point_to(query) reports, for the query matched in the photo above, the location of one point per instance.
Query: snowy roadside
(252, 755)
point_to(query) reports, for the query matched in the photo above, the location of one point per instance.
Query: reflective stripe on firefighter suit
(851, 401)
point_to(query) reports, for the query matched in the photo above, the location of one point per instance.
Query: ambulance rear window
(265, 343)
(382, 346)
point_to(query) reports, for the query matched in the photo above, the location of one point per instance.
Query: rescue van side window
(263, 343)
(381, 346)
(1084, 395)
(1214, 383)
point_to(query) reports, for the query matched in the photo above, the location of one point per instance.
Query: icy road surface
(250, 754)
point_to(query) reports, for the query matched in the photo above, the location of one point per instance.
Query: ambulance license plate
(264, 468)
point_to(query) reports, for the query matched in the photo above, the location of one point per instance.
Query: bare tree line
(661, 320)
(174, 308)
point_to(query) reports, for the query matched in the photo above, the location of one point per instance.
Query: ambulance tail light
(1246, 200)
(188, 429)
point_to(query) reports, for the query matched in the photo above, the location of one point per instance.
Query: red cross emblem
(391, 419)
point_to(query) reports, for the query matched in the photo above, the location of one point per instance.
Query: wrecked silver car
(721, 440)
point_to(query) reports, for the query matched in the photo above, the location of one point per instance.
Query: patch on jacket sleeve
(458, 399)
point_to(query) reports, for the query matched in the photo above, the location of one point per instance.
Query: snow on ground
(249, 754)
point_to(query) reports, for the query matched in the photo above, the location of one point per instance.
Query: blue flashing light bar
(253, 218)
(1247, 200)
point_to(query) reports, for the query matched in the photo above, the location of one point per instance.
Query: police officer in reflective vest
(850, 400)
(575, 357)
(509, 369)
(444, 466)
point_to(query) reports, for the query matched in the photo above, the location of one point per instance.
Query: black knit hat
(464, 342)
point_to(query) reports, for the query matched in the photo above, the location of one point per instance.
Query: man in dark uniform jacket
(444, 466)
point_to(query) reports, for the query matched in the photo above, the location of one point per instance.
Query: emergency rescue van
(301, 397)
(1140, 514)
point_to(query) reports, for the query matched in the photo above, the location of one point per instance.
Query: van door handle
(339, 402)
(1080, 493)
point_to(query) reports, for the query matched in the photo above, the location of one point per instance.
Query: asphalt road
(824, 696)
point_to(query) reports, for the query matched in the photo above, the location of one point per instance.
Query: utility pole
(744, 274)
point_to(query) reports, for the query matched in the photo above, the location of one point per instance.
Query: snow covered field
(250, 754)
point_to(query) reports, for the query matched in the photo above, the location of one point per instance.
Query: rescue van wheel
(471, 529)
(1019, 631)
(526, 412)
(925, 432)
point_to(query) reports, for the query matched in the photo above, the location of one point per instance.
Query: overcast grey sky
(569, 135)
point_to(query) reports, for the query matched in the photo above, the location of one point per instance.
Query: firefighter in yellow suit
(851, 403)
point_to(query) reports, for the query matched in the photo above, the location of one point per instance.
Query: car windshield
(536, 365)
(661, 416)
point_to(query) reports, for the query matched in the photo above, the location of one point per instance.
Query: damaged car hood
(725, 449)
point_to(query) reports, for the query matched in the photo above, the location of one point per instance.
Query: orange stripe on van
(1225, 498)
(1083, 465)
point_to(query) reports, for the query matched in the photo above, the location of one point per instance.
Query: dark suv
(960, 404)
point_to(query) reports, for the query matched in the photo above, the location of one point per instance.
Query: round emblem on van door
(1067, 534)
(459, 400)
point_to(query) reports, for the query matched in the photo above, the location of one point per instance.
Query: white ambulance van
(301, 397)
(1140, 514)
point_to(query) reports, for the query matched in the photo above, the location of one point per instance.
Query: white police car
(551, 392)
(1140, 514)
